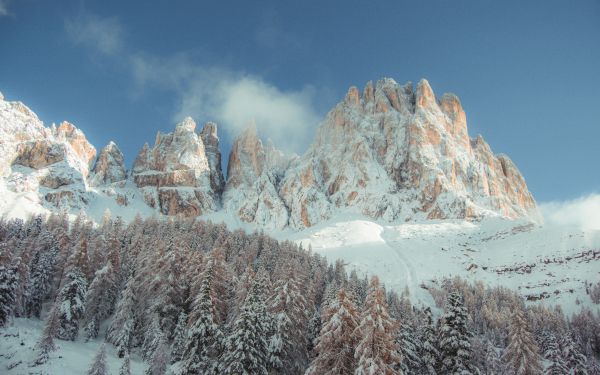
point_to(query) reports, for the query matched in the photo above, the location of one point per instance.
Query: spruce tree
(454, 344)
(99, 300)
(428, 351)
(337, 340)
(179, 338)
(377, 352)
(493, 363)
(522, 354)
(204, 339)
(98, 367)
(8, 286)
(122, 325)
(553, 354)
(71, 302)
(409, 347)
(246, 348)
(289, 309)
(46, 343)
(573, 358)
(125, 368)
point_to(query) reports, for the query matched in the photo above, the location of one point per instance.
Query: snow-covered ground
(17, 349)
(546, 263)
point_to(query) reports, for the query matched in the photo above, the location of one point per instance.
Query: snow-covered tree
(179, 338)
(246, 348)
(377, 352)
(100, 299)
(98, 366)
(553, 354)
(493, 362)
(45, 345)
(428, 351)
(40, 278)
(409, 347)
(8, 286)
(204, 339)
(125, 368)
(289, 308)
(521, 356)
(122, 325)
(454, 344)
(335, 345)
(160, 359)
(573, 358)
(71, 305)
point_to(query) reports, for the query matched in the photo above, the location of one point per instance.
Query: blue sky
(527, 72)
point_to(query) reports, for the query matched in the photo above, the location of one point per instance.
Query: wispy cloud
(207, 93)
(583, 212)
(4, 5)
(103, 35)
(232, 98)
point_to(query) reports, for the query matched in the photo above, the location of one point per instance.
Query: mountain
(394, 152)
(392, 184)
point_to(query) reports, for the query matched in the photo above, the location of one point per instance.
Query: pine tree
(99, 300)
(98, 367)
(572, 356)
(40, 278)
(204, 339)
(409, 347)
(521, 355)
(8, 286)
(126, 366)
(122, 325)
(179, 338)
(71, 300)
(246, 349)
(493, 363)
(376, 351)
(336, 342)
(455, 348)
(289, 309)
(553, 354)
(160, 359)
(428, 351)
(46, 343)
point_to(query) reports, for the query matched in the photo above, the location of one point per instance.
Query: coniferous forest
(191, 297)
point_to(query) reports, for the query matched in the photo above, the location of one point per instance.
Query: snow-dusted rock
(253, 176)
(396, 152)
(109, 167)
(178, 167)
(210, 139)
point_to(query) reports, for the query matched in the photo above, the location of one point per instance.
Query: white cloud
(583, 212)
(232, 99)
(103, 35)
(4, 8)
(207, 93)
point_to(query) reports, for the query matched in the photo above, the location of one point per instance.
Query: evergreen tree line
(191, 297)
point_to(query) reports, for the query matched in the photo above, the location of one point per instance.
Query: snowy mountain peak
(393, 152)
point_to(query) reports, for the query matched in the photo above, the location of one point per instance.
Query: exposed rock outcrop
(253, 176)
(178, 167)
(110, 166)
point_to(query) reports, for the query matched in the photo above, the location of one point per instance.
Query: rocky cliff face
(175, 175)
(391, 152)
(254, 173)
(53, 162)
(110, 166)
(396, 152)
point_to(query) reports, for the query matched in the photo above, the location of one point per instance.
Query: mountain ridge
(393, 152)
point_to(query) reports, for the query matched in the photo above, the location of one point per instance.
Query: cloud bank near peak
(583, 212)
(231, 98)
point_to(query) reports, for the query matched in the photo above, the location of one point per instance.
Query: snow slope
(18, 341)
(543, 263)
